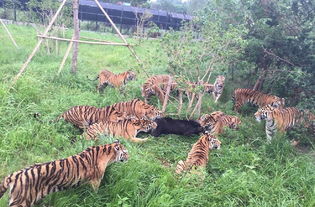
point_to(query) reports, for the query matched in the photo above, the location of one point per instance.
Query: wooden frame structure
(8, 32)
(73, 40)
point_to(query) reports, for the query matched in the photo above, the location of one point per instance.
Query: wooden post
(83, 41)
(14, 12)
(6, 29)
(180, 105)
(191, 100)
(39, 43)
(117, 30)
(167, 94)
(197, 106)
(76, 35)
(65, 57)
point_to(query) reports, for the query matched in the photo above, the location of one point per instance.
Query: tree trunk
(76, 35)
(180, 99)
(197, 107)
(260, 81)
(190, 101)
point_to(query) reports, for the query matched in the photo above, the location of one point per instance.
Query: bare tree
(142, 19)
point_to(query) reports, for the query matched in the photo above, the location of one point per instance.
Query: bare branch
(277, 57)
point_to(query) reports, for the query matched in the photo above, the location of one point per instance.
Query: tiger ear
(117, 141)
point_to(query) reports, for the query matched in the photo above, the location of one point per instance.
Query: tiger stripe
(107, 77)
(137, 108)
(127, 129)
(83, 116)
(218, 87)
(157, 85)
(281, 119)
(199, 153)
(215, 122)
(31, 184)
(242, 96)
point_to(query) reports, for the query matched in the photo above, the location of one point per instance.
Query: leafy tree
(203, 47)
(267, 45)
(43, 10)
(279, 56)
(281, 45)
(141, 3)
(170, 6)
(194, 6)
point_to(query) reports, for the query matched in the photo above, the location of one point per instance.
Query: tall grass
(244, 172)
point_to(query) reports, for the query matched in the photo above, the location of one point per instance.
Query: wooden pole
(167, 94)
(117, 30)
(65, 57)
(180, 104)
(83, 41)
(89, 38)
(39, 43)
(197, 106)
(11, 37)
(76, 36)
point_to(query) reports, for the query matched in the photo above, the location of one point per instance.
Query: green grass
(244, 172)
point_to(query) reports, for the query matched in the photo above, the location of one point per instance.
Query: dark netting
(121, 14)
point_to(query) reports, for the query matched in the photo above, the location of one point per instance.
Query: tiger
(137, 108)
(215, 89)
(243, 95)
(157, 85)
(83, 116)
(218, 87)
(199, 154)
(207, 87)
(207, 119)
(31, 184)
(282, 119)
(128, 129)
(115, 80)
(215, 122)
(232, 122)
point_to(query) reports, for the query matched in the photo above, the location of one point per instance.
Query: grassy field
(244, 172)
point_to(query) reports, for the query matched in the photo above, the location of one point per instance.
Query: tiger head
(217, 114)
(205, 119)
(148, 111)
(130, 75)
(143, 125)
(234, 122)
(278, 103)
(214, 143)
(263, 112)
(116, 116)
(209, 88)
(120, 153)
(147, 91)
(219, 82)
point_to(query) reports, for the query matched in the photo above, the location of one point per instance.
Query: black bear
(168, 125)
